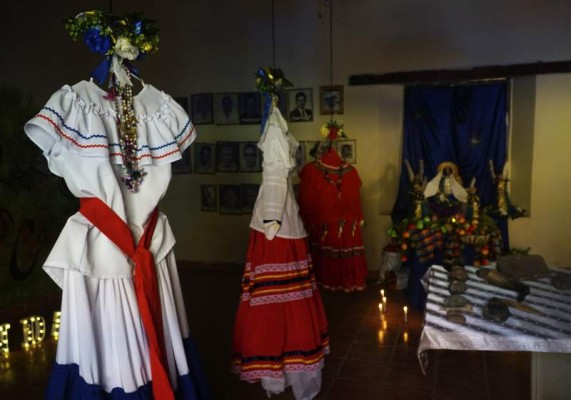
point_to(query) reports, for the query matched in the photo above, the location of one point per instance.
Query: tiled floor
(370, 358)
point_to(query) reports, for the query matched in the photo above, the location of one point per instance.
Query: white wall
(215, 46)
(549, 228)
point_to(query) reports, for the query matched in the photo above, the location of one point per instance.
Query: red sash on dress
(145, 279)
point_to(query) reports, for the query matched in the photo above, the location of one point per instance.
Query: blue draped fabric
(464, 124)
(66, 383)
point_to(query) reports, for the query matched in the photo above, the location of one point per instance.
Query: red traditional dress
(280, 335)
(330, 206)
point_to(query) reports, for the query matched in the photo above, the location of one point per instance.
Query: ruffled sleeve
(81, 119)
(61, 126)
(164, 134)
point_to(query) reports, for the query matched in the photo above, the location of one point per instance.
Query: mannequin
(124, 330)
(331, 210)
(280, 334)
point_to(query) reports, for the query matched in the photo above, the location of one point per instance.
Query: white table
(547, 333)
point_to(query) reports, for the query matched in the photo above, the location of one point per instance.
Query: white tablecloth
(523, 331)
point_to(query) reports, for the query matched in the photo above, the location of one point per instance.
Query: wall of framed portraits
(207, 61)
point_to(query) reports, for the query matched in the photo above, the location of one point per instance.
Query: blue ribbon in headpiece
(138, 27)
(101, 72)
(132, 69)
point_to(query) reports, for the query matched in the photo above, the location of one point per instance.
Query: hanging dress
(124, 332)
(280, 334)
(330, 206)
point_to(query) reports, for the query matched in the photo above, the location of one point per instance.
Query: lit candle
(382, 293)
(384, 304)
(405, 309)
(381, 307)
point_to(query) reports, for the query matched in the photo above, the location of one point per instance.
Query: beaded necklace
(340, 171)
(127, 126)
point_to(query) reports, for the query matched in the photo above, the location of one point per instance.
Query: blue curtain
(464, 124)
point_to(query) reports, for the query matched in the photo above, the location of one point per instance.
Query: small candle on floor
(381, 307)
(382, 293)
(384, 304)
(405, 309)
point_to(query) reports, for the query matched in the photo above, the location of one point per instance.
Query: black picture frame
(227, 157)
(201, 106)
(230, 199)
(347, 150)
(331, 100)
(250, 108)
(208, 198)
(250, 157)
(204, 158)
(249, 197)
(182, 166)
(226, 109)
(300, 105)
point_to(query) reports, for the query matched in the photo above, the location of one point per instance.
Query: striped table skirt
(523, 331)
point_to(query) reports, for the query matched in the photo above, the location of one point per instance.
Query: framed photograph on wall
(208, 198)
(204, 158)
(230, 199)
(226, 108)
(300, 103)
(202, 108)
(249, 197)
(331, 100)
(182, 166)
(250, 157)
(250, 107)
(347, 150)
(227, 156)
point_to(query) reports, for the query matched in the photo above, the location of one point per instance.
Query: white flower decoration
(124, 48)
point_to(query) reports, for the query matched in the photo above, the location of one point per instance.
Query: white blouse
(78, 135)
(276, 200)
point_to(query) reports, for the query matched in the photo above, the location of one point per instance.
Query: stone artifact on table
(457, 287)
(561, 280)
(523, 266)
(496, 278)
(457, 303)
(496, 311)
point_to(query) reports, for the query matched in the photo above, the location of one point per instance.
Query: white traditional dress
(280, 335)
(103, 349)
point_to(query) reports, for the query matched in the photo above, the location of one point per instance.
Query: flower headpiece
(118, 38)
(332, 130)
(128, 36)
(271, 81)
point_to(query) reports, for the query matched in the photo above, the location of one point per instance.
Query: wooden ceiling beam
(452, 75)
